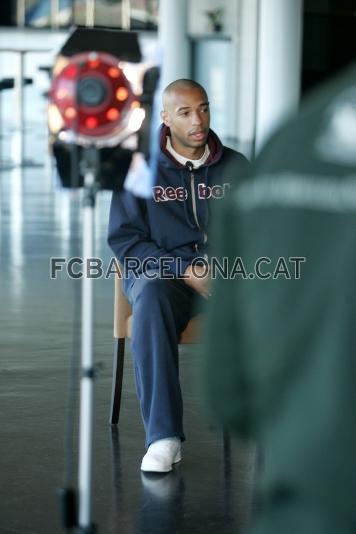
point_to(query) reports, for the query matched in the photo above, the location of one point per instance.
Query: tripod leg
(118, 369)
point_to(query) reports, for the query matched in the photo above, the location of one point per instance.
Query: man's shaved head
(183, 84)
(186, 113)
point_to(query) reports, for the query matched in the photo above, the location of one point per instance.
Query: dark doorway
(329, 39)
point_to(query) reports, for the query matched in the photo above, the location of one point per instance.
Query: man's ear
(165, 118)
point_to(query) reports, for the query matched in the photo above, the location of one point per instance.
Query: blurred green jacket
(280, 364)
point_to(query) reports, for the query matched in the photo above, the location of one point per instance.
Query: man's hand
(198, 278)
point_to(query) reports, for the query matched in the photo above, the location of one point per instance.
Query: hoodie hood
(215, 146)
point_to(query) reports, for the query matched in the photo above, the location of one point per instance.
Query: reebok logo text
(164, 194)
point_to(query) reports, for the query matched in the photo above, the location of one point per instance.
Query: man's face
(188, 117)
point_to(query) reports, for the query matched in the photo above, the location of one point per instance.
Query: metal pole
(90, 13)
(20, 127)
(55, 14)
(278, 64)
(125, 14)
(87, 368)
(72, 16)
(172, 34)
(21, 13)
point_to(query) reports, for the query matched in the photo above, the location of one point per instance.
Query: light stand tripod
(90, 167)
(96, 109)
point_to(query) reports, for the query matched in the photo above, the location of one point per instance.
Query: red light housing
(85, 93)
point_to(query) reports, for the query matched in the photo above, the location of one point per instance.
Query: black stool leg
(118, 369)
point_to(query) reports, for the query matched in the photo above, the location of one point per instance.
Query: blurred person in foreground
(281, 362)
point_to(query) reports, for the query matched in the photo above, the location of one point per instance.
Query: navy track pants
(162, 309)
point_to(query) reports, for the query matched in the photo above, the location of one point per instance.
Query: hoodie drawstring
(206, 211)
(188, 219)
(195, 223)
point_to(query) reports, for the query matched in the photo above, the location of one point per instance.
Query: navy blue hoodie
(173, 223)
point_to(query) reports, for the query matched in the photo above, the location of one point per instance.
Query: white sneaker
(161, 455)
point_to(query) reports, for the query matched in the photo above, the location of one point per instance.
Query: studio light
(95, 101)
(100, 99)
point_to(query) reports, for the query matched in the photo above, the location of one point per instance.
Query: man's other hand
(198, 278)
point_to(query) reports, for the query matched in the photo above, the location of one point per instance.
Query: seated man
(194, 169)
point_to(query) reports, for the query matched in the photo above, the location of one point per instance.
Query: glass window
(44, 13)
(143, 14)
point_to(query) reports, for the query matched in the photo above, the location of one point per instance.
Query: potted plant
(215, 18)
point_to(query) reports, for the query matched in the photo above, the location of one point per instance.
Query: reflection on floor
(210, 491)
